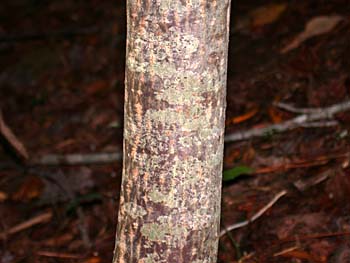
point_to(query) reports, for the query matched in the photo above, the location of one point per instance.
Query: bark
(173, 131)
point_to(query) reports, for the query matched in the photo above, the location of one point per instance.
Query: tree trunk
(173, 131)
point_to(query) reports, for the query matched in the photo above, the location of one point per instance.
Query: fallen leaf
(31, 188)
(275, 115)
(93, 260)
(65, 144)
(246, 116)
(101, 119)
(58, 241)
(316, 26)
(96, 87)
(232, 156)
(267, 14)
(235, 172)
(3, 196)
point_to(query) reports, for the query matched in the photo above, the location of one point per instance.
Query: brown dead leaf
(316, 26)
(275, 115)
(101, 119)
(267, 14)
(65, 143)
(96, 87)
(59, 241)
(244, 117)
(249, 155)
(232, 156)
(11, 138)
(93, 260)
(31, 188)
(3, 196)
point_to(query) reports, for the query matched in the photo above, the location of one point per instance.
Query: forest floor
(61, 92)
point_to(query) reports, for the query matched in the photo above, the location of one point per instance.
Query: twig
(12, 140)
(284, 251)
(27, 224)
(318, 114)
(315, 117)
(76, 159)
(287, 107)
(254, 217)
(58, 255)
(317, 124)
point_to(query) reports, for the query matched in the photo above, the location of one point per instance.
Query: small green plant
(235, 172)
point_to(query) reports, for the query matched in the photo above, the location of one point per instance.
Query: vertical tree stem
(173, 131)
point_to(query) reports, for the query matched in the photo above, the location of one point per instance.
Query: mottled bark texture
(173, 131)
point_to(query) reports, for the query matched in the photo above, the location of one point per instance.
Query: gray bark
(173, 131)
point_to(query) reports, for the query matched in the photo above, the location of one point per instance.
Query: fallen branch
(27, 224)
(77, 159)
(314, 117)
(254, 217)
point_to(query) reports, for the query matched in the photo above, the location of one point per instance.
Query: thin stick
(284, 251)
(27, 224)
(318, 114)
(314, 117)
(287, 107)
(317, 124)
(77, 159)
(12, 139)
(58, 255)
(254, 217)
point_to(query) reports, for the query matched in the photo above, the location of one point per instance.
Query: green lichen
(168, 233)
(191, 119)
(154, 232)
(158, 197)
(151, 258)
(134, 210)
